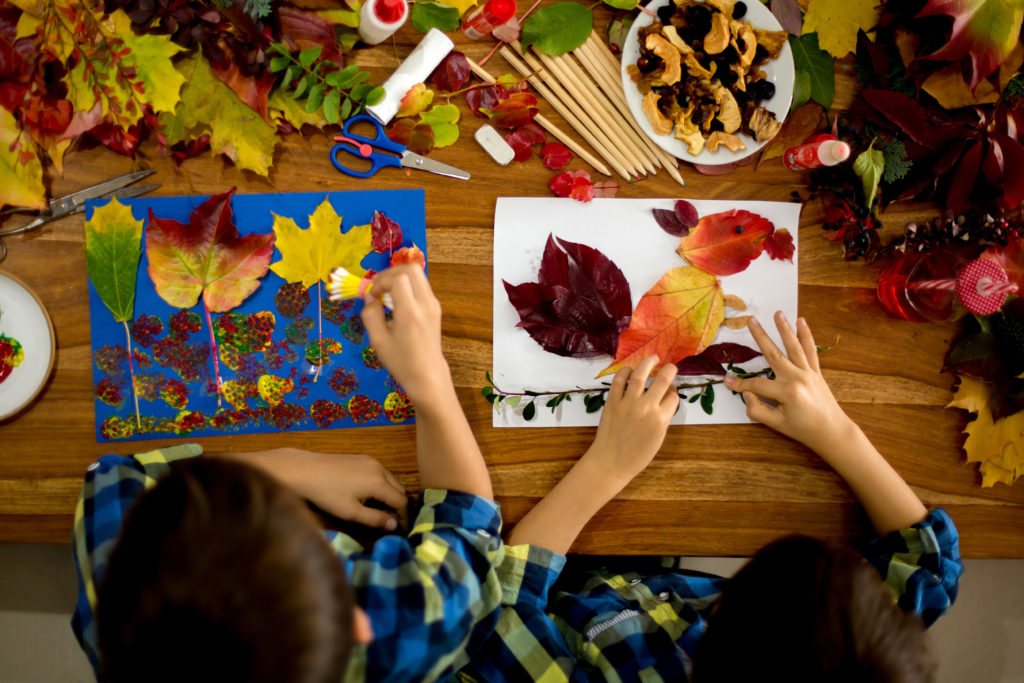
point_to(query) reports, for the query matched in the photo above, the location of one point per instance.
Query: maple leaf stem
(604, 390)
(131, 373)
(213, 347)
(319, 328)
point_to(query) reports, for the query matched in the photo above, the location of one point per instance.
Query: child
(800, 610)
(220, 571)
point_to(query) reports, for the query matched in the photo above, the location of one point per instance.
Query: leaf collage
(581, 306)
(231, 338)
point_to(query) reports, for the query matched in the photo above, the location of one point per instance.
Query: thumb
(373, 319)
(759, 412)
(374, 518)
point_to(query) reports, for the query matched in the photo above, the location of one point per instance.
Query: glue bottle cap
(832, 152)
(503, 10)
(390, 11)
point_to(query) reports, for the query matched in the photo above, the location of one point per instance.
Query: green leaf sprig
(338, 92)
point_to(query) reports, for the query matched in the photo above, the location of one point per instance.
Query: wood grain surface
(714, 490)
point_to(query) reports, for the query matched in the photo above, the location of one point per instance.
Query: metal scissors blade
(75, 202)
(413, 160)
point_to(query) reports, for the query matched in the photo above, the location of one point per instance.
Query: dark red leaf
(686, 213)
(523, 139)
(190, 148)
(1013, 176)
(699, 365)
(711, 361)
(579, 305)
(779, 245)
(385, 234)
(903, 111)
(561, 184)
(670, 223)
(555, 155)
(515, 111)
(482, 98)
(306, 29)
(418, 137)
(451, 73)
(582, 189)
(964, 178)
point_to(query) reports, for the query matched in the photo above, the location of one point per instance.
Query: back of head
(803, 611)
(221, 574)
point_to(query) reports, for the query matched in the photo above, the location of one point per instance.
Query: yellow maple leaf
(837, 21)
(461, 5)
(21, 175)
(951, 91)
(997, 445)
(311, 255)
(151, 58)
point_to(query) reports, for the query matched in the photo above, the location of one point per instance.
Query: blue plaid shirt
(423, 592)
(645, 627)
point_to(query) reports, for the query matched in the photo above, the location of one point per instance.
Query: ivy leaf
(555, 155)
(442, 119)
(418, 137)
(113, 248)
(427, 14)
(779, 246)
(414, 101)
(676, 318)
(575, 184)
(984, 30)
(206, 257)
(725, 243)
(209, 106)
(579, 304)
(558, 28)
(837, 22)
(310, 255)
(514, 111)
(21, 173)
(868, 167)
(385, 234)
(523, 138)
(807, 56)
(452, 72)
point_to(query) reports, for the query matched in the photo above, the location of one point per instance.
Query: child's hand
(409, 345)
(805, 410)
(634, 421)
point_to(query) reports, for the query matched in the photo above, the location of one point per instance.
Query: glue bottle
(820, 150)
(378, 19)
(487, 18)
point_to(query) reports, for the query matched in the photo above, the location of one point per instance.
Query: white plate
(25, 320)
(779, 71)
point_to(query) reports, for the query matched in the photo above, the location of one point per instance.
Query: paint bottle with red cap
(378, 19)
(487, 18)
(820, 150)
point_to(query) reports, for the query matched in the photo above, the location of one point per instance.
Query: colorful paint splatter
(289, 357)
(11, 354)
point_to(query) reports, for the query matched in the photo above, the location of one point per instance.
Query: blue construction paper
(252, 214)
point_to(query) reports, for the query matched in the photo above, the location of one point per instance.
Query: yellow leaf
(907, 43)
(461, 5)
(151, 57)
(997, 445)
(311, 255)
(951, 91)
(284, 108)
(837, 21)
(209, 106)
(21, 179)
(27, 25)
(1009, 68)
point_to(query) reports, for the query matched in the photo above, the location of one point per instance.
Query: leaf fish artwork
(725, 243)
(233, 331)
(11, 354)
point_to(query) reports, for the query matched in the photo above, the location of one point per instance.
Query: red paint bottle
(821, 150)
(487, 18)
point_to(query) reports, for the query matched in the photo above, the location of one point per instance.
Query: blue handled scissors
(382, 152)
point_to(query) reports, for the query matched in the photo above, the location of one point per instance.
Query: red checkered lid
(982, 286)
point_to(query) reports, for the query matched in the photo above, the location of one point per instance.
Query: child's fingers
(388, 490)
(793, 348)
(762, 386)
(776, 359)
(638, 380)
(669, 402)
(803, 333)
(619, 382)
(759, 412)
(374, 321)
(662, 382)
(373, 517)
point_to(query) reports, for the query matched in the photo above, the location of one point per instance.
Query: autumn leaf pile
(193, 75)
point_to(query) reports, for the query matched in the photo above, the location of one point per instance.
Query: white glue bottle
(434, 47)
(378, 19)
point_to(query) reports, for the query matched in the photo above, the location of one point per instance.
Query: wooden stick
(550, 127)
(612, 70)
(600, 109)
(576, 119)
(612, 85)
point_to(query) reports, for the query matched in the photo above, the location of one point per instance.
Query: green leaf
(113, 247)
(306, 81)
(331, 101)
(309, 55)
(316, 97)
(279, 64)
(336, 78)
(362, 91)
(443, 119)
(427, 14)
(868, 167)
(818, 65)
(558, 28)
(552, 402)
(291, 74)
(513, 400)
(896, 163)
(593, 402)
(374, 96)
(707, 399)
(695, 398)
(622, 4)
(487, 376)
(801, 90)
(346, 108)
(487, 391)
(531, 393)
(529, 411)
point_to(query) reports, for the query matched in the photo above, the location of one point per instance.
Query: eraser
(434, 47)
(494, 144)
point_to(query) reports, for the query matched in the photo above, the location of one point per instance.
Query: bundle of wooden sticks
(585, 88)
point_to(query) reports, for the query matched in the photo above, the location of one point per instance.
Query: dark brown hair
(802, 610)
(222, 574)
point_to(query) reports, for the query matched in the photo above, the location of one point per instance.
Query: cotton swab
(345, 285)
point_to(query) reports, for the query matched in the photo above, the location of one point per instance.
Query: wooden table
(715, 490)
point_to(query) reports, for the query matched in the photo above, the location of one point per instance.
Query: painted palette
(289, 358)
(625, 231)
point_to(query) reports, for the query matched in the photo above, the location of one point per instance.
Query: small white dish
(779, 71)
(23, 318)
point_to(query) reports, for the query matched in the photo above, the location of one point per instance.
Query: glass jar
(919, 287)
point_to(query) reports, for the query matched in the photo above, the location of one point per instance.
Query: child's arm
(632, 429)
(409, 345)
(805, 410)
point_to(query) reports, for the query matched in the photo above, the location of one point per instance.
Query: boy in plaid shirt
(799, 611)
(197, 568)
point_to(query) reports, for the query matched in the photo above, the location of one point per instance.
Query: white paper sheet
(625, 231)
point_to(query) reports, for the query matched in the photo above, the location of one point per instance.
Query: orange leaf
(725, 243)
(676, 318)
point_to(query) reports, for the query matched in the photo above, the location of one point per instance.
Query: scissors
(75, 202)
(382, 152)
